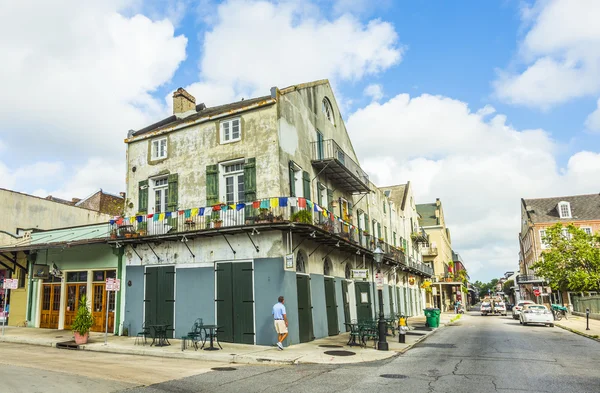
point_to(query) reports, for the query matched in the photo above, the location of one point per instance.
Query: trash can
(432, 320)
(437, 312)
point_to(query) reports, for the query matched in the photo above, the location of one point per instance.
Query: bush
(302, 216)
(83, 320)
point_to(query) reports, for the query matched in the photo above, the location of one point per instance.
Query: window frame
(230, 123)
(587, 227)
(163, 188)
(568, 213)
(223, 175)
(154, 153)
(543, 245)
(327, 109)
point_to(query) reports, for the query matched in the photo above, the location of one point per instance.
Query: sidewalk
(577, 325)
(313, 352)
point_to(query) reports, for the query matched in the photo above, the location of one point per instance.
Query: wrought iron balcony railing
(334, 163)
(429, 251)
(529, 279)
(264, 212)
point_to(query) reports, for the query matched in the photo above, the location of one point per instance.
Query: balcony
(264, 214)
(529, 279)
(329, 158)
(420, 237)
(429, 251)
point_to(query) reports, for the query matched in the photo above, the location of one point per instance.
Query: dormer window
(328, 110)
(564, 209)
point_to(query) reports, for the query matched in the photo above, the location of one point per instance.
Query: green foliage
(506, 288)
(302, 216)
(485, 287)
(84, 320)
(461, 276)
(572, 260)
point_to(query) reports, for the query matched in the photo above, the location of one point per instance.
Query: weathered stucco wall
(29, 212)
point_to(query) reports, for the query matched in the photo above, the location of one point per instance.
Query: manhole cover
(340, 353)
(223, 369)
(331, 346)
(394, 376)
(440, 345)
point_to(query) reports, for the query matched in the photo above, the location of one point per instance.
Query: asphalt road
(477, 354)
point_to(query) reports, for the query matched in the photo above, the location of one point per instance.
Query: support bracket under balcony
(227, 240)
(154, 252)
(184, 240)
(136, 253)
(252, 241)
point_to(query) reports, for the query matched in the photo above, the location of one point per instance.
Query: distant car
(536, 313)
(500, 308)
(486, 308)
(518, 307)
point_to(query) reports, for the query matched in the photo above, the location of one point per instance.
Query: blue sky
(479, 103)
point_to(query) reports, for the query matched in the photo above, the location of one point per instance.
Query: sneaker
(280, 346)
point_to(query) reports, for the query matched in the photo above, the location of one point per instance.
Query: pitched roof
(427, 212)
(203, 114)
(398, 194)
(583, 207)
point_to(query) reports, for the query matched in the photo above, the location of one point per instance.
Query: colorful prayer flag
(301, 202)
(274, 202)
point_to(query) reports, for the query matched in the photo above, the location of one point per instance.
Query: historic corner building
(230, 207)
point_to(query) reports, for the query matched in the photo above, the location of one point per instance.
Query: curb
(578, 332)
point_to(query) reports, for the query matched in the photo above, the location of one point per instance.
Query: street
(476, 354)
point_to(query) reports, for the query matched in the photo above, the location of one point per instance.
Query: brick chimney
(184, 104)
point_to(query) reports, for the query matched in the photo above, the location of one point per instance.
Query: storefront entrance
(76, 288)
(50, 303)
(100, 301)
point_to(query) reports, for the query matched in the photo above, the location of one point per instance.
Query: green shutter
(212, 185)
(250, 180)
(319, 198)
(143, 196)
(379, 230)
(292, 180)
(384, 207)
(350, 206)
(329, 199)
(306, 184)
(366, 228)
(173, 180)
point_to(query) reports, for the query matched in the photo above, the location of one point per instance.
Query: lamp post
(382, 345)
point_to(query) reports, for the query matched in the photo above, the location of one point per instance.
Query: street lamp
(382, 345)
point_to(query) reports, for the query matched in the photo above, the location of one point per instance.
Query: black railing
(528, 278)
(263, 211)
(329, 150)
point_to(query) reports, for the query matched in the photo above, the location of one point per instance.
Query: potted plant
(265, 216)
(142, 228)
(113, 233)
(217, 223)
(302, 216)
(83, 322)
(278, 218)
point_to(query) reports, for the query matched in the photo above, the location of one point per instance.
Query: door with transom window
(76, 288)
(50, 309)
(101, 299)
(233, 194)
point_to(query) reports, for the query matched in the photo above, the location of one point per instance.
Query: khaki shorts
(280, 327)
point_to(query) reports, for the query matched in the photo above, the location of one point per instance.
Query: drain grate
(415, 334)
(423, 328)
(340, 353)
(67, 345)
(394, 376)
(223, 369)
(331, 346)
(437, 345)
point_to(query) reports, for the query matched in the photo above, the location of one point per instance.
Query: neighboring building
(66, 263)
(235, 205)
(21, 215)
(537, 215)
(438, 252)
(103, 202)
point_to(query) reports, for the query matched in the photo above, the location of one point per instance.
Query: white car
(518, 307)
(500, 308)
(536, 313)
(486, 308)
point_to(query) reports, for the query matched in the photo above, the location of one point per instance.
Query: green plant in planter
(302, 216)
(84, 320)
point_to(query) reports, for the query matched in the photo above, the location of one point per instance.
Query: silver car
(536, 313)
(518, 307)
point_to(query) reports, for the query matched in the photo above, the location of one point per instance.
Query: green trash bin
(432, 320)
(437, 312)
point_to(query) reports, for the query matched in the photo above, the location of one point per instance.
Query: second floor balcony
(329, 158)
(529, 279)
(429, 251)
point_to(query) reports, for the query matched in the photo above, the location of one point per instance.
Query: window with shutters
(233, 184)
(159, 149)
(159, 196)
(296, 184)
(323, 195)
(231, 130)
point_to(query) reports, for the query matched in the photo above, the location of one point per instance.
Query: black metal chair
(142, 335)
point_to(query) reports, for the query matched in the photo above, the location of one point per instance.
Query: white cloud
(562, 53)
(374, 91)
(79, 75)
(255, 45)
(473, 160)
(592, 123)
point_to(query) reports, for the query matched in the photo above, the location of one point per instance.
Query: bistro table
(354, 331)
(159, 338)
(211, 330)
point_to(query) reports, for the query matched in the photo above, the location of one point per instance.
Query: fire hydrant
(402, 329)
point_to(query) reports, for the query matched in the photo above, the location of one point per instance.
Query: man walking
(281, 322)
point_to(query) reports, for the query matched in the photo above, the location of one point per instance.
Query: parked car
(536, 313)
(486, 308)
(500, 308)
(517, 309)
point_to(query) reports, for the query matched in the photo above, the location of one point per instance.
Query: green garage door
(235, 302)
(331, 307)
(159, 300)
(346, 303)
(304, 308)
(363, 301)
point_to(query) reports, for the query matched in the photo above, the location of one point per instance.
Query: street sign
(536, 292)
(379, 280)
(360, 273)
(10, 283)
(434, 291)
(113, 284)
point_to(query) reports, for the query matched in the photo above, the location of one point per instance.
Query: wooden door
(363, 301)
(235, 302)
(74, 293)
(346, 302)
(331, 307)
(159, 300)
(100, 300)
(305, 322)
(50, 306)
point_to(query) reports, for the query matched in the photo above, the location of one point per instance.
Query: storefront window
(77, 276)
(102, 275)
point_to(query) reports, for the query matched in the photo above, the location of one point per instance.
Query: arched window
(301, 262)
(327, 268)
(348, 271)
(328, 110)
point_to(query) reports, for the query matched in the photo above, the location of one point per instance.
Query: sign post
(112, 285)
(379, 280)
(9, 283)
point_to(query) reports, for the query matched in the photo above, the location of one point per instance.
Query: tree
(506, 288)
(572, 259)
